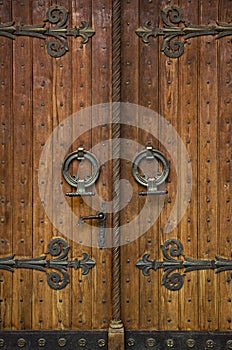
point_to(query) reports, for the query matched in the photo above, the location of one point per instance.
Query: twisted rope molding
(116, 96)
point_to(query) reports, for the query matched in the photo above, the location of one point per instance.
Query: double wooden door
(166, 66)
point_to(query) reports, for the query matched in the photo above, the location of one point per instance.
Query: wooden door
(186, 79)
(42, 85)
(166, 66)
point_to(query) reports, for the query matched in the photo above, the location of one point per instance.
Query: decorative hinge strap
(58, 248)
(173, 249)
(57, 45)
(172, 16)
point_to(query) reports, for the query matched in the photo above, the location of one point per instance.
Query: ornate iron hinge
(58, 16)
(172, 249)
(171, 16)
(58, 248)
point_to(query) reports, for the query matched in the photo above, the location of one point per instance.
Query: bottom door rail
(98, 339)
(178, 340)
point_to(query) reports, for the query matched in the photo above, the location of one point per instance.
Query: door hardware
(57, 44)
(174, 280)
(101, 217)
(59, 249)
(81, 185)
(159, 178)
(172, 16)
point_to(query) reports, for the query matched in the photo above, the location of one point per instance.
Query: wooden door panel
(102, 93)
(81, 98)
(129, 88)
(22, 160)
(189, 96)
(42, 124)
(40, 89)
(6, 170)
(187, 113)
(224, 152)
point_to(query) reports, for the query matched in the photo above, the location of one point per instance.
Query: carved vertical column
(116, 331)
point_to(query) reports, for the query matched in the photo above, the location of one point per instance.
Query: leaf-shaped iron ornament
(55, 35)
(175, 260)
(59, 249)
(172, 16)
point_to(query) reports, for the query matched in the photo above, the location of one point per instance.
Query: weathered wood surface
(193, 93)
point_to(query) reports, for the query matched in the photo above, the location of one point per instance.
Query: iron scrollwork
(59, 249)
(57, 45)
(172, 250)
(172, 16)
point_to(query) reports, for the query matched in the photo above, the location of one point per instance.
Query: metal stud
(210, 344)
(21, 342)
(190, 343)
(101, 343)
(131, 342)
(170, 343)
(82, 342)
(150, 342)
(41, 342)
(2, 343)
(229, 344)
(62, 342)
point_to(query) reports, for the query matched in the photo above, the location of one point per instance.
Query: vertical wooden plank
(224, 167)
(149, 97)
(208, 168)
(169, 102)
(22, 170)
(188, 121)
(6, 179)
(129, 93)
(62, 109)
(42, 128)
(101, 93)
(81, 97)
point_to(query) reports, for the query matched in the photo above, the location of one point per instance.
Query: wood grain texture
(188, 115)
(42, 118)
(149, 92)
(6, 178)
(102, 93)
(224, 167)
(193, 93)
(22, 167)
(129, 93)
(62, 109)
(81, 98)
(169, 101)
(208, 169)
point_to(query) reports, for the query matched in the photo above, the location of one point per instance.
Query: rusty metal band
(116, 96)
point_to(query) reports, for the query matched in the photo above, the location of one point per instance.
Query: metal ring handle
(79, 155)
(158, 178)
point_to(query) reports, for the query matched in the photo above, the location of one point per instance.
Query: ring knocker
(81, 185)
(159, 178)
